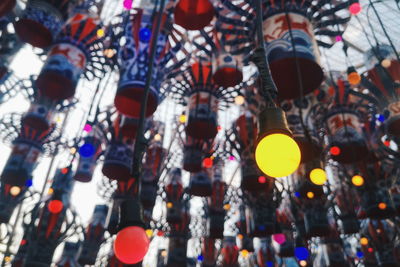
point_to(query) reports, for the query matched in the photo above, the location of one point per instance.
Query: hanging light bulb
(277, 154)
(352, 76)
(132, 242)
(355, 8)
(318, 176)
(55, 206)
(357, 180)
(386, 63)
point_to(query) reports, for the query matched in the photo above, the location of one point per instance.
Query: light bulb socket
(351, 69)
(273, 120)
(131, 214)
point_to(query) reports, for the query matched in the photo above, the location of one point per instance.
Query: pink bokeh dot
(279, 238)
(87, 128)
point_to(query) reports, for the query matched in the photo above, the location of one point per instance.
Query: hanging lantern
(174, 192)
(230, 252)
(6, 6)
(41, 112)
(280, 54)
(94, 235)
(208, 252)
(261, 215)
(118, 161)
(89, 153)
(200, 184)
(346, 134)
(70, 254)
(194, 14)
(177, 248)
(346, 202)
(73, 52)
(193, 153)
(41, 21)
(126, 127)
(134, 49)
(265, 254)
(227, 70)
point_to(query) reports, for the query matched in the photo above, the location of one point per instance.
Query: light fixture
(357, 180)
(386, 63)
(355, 8)
(318, 176)
(132, 242)
(277, 154)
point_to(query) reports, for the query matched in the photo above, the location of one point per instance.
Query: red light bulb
(55, 206)
(262, 179)
(131, 245)
(207, 163)
(355, 8)
(335, 151)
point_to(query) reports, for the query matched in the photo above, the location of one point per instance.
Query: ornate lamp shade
(126, 127)
(41, 21)
(280, 54)
(262, 218)
(202, 104)
(40, 114)
(227, 70)
(94, 236)
(230, 252)
(346, 134)
(20, 164)
(133, 60)
(208, 251)
(6, 6)
(118, 161)
(174, 191)
(200, 184)
(383, 71)
(375, 201)
(193, 153)
(89, 153)
(69, 257)
(69, 57)
(177, 248)
(194, 14)
(265, 253)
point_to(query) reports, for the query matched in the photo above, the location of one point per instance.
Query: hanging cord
(268, 88)
(299, 77)
(384, 29)
(140, 143)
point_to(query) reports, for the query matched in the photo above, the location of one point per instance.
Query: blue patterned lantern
(134, 46)
(41, 21)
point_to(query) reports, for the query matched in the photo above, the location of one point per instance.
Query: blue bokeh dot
(86, 150)
(145, 35)
(29, 183)
(301, 253)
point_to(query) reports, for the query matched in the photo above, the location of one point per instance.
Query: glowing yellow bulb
(364, 241)
(357, 180)
(354, 78)
(15, 190)
(157, 137)
(278, 155)
(382, 206)
(72, 150)
(7, 259)
(170, 205)
(303, 263)
(149, 233)
(227, 207)
(310, 195)
(244, 253)
(318, 176)
(386, 63)
(182, 118)
(109, 52)
(51, 191)
(240, 236)
(239, 100)
(164, 253)
(100, 33)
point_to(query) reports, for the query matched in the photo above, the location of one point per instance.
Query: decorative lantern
(261, 214)
(89, 153)
(118, 161)
(134, 47)
(69, 257)
(230, 252)
(94, 235)
(193, 153)
(285, 239)
(41, 21)
(227, 70)
(200, 184)
(208, 252)
(174, 192)
(265, 254)
(177, 248)
(215, 204)
(194, 14)
(73, 52)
